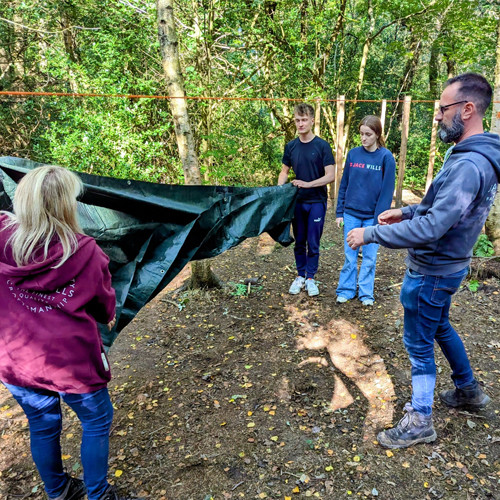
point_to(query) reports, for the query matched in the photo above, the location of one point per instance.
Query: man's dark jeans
(426, 301)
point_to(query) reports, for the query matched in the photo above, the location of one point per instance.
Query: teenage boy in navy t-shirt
(312, 161)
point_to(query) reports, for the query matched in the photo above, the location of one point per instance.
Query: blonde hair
(44, 206)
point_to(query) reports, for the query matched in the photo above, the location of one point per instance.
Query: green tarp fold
(151, 231)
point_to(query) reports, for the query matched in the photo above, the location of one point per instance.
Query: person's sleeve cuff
(368, 235)
(407, 212)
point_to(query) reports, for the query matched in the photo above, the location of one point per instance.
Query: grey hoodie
(441, 231)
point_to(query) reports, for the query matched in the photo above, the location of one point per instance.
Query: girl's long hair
(44, 206)
(375, 124)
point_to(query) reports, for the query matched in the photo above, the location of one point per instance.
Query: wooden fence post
(432, 153)
(340, 147)
(404, 147)
(382, 115)
(317, 118)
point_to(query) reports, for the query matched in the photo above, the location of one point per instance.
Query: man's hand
(391, 216)
(301, 184)
(111, 324)
(339, 221)
(355, 237)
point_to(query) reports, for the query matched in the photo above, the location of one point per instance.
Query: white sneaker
(367, 302)
(311, 287)
(298, 284)
(341, 300)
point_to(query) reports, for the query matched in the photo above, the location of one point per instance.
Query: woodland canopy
(282, 49)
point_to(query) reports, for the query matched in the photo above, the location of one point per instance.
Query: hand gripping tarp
(151, 231)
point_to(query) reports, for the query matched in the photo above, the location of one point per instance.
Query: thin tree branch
(128, 4)
(48, 32)
(404, 18)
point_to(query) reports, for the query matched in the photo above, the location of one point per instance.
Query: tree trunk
(317, 118)
(450, 65)
(492, 225)
(201, 272)
(70, 46)
(432, 152)
(169, 47)
(406, 82)
(434, 69)
(436, 46)
(362, 66)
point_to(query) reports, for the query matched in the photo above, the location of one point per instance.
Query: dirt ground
(253, 393)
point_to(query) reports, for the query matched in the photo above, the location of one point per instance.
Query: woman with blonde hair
(54, 287)
(365, 192)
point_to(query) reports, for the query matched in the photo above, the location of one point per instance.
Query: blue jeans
(426, 301)
(366, 280)
(43, 409)
(308, 222)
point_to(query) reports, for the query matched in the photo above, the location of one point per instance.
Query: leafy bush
(483, 247)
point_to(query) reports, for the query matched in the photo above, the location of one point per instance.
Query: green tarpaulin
(151, 231)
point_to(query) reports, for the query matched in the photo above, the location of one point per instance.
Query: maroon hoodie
(48, 332)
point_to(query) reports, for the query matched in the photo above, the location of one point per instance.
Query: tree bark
(201, 272)
(492, 225)
(362, 66)
(406, 81)
(434, 69)
(169, 47)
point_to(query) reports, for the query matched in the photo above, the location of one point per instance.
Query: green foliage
(473, 285)
(240, 289)
(232, 48)
(483, 247)
(328, 244)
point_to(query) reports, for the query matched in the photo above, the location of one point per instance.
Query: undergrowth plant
(483, 247)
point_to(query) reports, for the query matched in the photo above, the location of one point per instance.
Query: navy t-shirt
(308, 160)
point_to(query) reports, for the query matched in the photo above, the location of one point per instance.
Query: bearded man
(440, 233)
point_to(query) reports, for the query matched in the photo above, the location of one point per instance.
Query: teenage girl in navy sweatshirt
(365, 192)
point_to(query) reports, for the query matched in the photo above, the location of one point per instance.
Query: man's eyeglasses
(442, 109)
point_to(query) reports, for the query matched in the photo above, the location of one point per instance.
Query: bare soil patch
(227, 394)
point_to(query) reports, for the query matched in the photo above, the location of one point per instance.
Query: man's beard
(454, 131)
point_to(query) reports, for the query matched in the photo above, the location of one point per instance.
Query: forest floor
(238, 393)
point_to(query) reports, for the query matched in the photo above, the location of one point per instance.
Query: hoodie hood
(486, 144)
(41, 276)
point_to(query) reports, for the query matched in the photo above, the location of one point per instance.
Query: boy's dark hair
(475, 88)
(303, 109)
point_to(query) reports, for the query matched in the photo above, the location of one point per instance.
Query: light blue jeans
(43, 409)
(426, 301)
(365, 282)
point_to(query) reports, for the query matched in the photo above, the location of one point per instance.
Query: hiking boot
(74, 490)
(413, 428)
(112, 494)
(341, 300)
(367, 302)
(471, 396)
(311, 287)
(298, 284)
